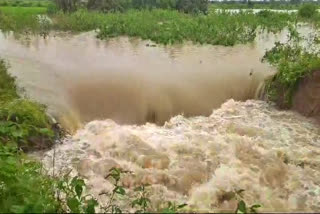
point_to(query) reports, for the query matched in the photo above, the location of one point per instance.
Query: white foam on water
(273, 155)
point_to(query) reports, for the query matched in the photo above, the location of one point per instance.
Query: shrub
(23, 189)
(307, 10)
(67, 5)
(108, 5)
(4, 4)
(193, 6)
(293, 64)
(52, 8)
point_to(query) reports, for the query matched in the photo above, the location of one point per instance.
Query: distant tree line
(186, 6)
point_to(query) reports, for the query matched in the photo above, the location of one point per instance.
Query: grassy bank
(168, 27)
(24, 185)
(159, 25)
(21, 19)
(23, 125)
(293, 62)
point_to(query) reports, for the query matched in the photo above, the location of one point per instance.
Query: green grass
(169, 26)
(159, 25)
(23, 11)
(257, 5)
(20, 18)
(24, 3)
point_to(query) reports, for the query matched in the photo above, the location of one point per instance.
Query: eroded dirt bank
(307, 98)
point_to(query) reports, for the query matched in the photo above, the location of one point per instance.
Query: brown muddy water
(199, 156)
(82, 79)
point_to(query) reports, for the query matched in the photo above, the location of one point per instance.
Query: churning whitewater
(273, 155)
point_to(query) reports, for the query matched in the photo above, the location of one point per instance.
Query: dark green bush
(52, 8)
(193, 6)
(109, 5)
(67, 5)
(23, 188)
(307, 10)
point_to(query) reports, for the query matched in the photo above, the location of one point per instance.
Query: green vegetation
(23, 188)
(293, 63)
(20, 19)
(187, 6)
(167, 27)
(22, 123)
(308, 11)
(159, 25)
(292, 5)
(24, 3)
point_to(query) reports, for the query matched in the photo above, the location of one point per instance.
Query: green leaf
(78, 189)
(74, 205)
(136, 202)
(168, 210)
(119, 190)
(91, 204)
(253, 208)
(78, 185)
(46, 132)
(182, 206)
(242, 208)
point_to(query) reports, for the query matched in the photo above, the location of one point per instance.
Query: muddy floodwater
(182, 118)
(81, 78)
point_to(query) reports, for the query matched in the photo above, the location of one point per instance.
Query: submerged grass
(168, 26)
(159, 25)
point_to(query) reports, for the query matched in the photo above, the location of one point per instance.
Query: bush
(23, 189)
(67, 5)
(52, 8)
(109, 5)
(144, 4)
(4, 4)
(307, 11)
(293, 64)
(193, 6)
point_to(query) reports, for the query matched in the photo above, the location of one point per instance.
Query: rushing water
(199, 157)
(82, 79)
(273, 155)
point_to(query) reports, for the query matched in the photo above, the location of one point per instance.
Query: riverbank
(158, 25)
(23, 125)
